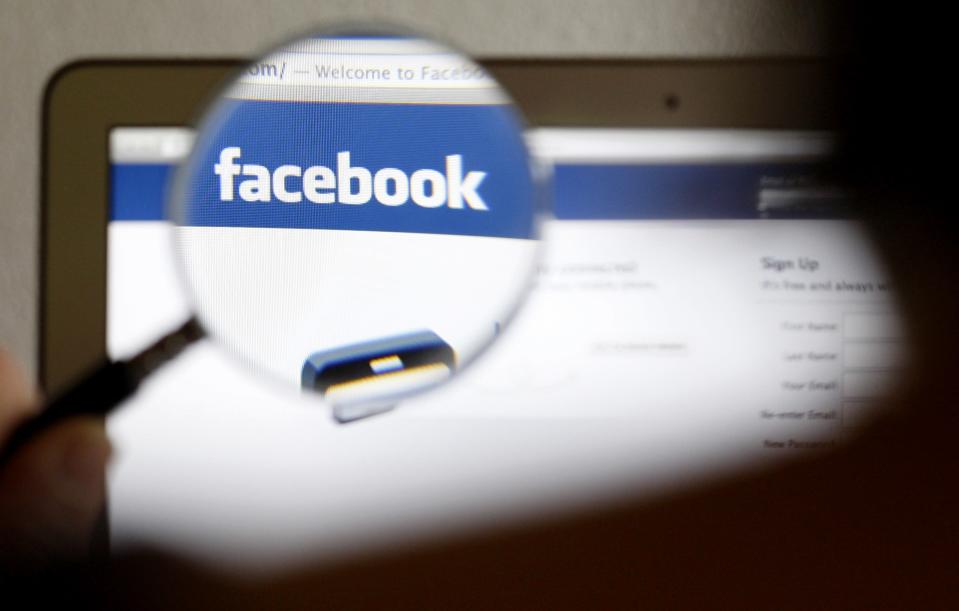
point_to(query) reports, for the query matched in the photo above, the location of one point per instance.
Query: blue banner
(138, 191)
(686, 191)
(589, 192)
(446, 169)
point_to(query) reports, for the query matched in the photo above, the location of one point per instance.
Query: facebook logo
(348, 184)
(453, 169)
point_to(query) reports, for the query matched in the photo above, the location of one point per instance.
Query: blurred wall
(38, 36)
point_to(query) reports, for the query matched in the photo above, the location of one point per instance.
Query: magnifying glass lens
(357, 216)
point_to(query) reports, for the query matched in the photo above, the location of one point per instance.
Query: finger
(17, 398)
(51, 493)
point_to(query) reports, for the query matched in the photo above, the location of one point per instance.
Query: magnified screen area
(357, 215)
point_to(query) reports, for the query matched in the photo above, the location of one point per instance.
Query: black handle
(97, 393)
(108, 385)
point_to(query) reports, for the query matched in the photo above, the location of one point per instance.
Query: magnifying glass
(357, 220)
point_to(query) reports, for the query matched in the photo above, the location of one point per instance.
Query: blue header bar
(139, 190)
(421, 168)
(687, 191)
(600, 192)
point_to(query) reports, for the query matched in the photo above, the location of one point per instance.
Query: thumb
(51, 493)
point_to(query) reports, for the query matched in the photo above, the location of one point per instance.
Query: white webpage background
(650, 354)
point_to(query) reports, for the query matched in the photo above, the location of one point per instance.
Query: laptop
(705, 304)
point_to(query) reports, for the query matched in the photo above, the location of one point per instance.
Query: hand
(53, 489)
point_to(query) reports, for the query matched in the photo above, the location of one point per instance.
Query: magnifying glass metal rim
(111, 382)
(209, 118)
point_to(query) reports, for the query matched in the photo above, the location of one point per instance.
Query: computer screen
(704, 304)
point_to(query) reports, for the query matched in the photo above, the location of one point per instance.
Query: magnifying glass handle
(104, 388)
